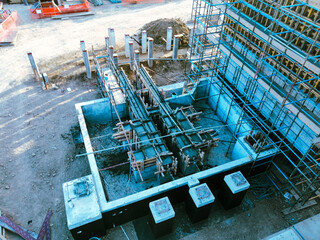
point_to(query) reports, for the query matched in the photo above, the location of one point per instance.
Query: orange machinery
(43, 9)
(8, 24)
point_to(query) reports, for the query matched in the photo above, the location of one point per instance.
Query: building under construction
(254, 70)
(263, 58)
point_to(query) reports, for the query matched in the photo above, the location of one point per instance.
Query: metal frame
(227, 51)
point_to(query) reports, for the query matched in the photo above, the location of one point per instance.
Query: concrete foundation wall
(202, 89)
(286, 122)
(199, 91)
(101, 111)
(168, 90)
(229, 114)
(129, 208)
(183, 100)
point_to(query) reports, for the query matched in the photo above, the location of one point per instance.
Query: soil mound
(158, 29)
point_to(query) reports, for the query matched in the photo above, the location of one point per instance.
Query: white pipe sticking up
(115, 59)
(169, 38)
(144, 41)
(112, 37)
(150, 52)
(86, 62)
(111, 50)
(137, 58)
(34, 66)
(131, 54)
(175, 47)
(107, 42)
(126, 44)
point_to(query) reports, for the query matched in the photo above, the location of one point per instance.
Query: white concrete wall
(264, 100)
(101, 111)
(227, 113)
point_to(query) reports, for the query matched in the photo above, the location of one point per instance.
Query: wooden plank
(298, 207)
(294, 194)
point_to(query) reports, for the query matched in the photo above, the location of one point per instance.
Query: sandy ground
(36, 145)
(47, 38)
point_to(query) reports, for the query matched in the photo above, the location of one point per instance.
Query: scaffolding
(263, 56)
(162, 139)
(189, 144)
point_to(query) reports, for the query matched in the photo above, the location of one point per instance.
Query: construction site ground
(36, 146)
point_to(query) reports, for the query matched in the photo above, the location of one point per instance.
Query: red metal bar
(117, 165)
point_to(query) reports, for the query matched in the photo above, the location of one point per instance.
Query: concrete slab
(307, 230)
(81, 202)
(201, 195)
(288, 233)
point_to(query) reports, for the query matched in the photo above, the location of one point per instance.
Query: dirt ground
(36, 143)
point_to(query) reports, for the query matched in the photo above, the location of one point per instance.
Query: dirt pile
(169, 72)
(158, 30)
